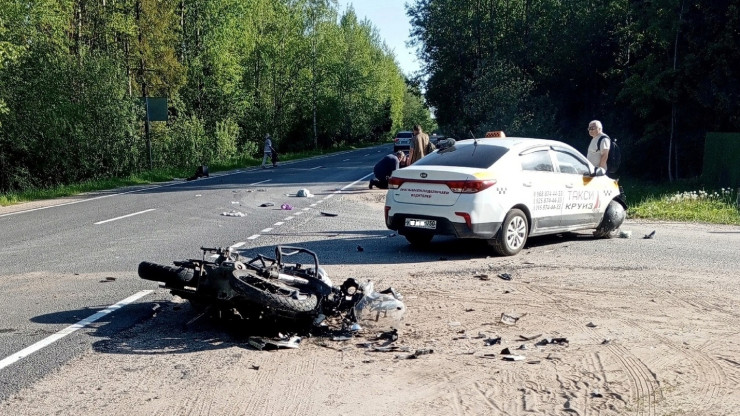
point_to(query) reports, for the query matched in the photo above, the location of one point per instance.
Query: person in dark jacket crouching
(385, 167)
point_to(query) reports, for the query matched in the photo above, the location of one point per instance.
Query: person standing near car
(598, 150)
(419, 145)
(384, 169)
(267, 150)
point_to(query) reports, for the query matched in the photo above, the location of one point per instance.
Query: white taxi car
(502, 190)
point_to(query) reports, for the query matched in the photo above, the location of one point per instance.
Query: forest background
(659, 74)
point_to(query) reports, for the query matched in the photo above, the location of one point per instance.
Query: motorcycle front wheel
(275, 297)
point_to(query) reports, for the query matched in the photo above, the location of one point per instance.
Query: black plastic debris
(360, 249)
(651, 235)
(254, 367)
(506, 351)
(328, 214)
(108, 279)
(492, 341)
(505, 276)
(268, 204)
(391, 335)
(591, 325)
(481, 276)
(556, 341)
(416, 354)
(529, 337)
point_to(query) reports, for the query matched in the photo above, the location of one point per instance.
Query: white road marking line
(298, 213)
(266, 230)
(278, 223)
(317, 167)
(257, 183)
(70, 329)
(288, 218)
(124, 216)
(313, 205)
(346, 160)
(252, 237)
(237, 245)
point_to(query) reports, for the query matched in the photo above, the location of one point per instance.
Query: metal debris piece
(233, 213)
(606, 341)
(509, 319)
(268, 204)
(481, 276)
(264, 344)
(512, 357)
(506, 351)
(341, 338)
(651, 235)
(534, 362)
(391, 335)
(505, 276)
(328, 214)
(591, 325)
(254, 367)
(360, 249)
(529, 338)
(596, 393)
(490, 355)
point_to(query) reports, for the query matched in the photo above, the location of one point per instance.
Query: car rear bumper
(444, 227)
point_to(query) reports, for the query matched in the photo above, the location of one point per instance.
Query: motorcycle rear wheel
(172, 276)
(277, 298)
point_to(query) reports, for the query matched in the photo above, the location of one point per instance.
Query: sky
(389, 17)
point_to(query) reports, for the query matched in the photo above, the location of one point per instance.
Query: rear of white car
(477, 186)
(402, 141)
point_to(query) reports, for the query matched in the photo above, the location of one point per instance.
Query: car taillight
(458, 187)
(469, 187)
(467, 219)
(394, 183)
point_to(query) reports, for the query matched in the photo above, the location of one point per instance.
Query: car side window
(567, 163)
(538, 161)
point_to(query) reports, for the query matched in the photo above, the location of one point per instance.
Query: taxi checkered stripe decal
(501, 191)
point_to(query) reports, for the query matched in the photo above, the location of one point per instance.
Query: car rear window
(468, 156)
(406, 135)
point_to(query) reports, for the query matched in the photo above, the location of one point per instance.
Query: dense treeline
(73, 73)
(659, 73)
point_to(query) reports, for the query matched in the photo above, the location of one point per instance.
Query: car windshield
(469, 156)
(406, 135)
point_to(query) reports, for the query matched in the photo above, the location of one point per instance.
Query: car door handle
(527, 184)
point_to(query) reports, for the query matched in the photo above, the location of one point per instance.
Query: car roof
(520, 143)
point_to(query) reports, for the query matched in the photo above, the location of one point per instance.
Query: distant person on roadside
(384, 169)
(420, 145)
(598, 153)
(268, 150)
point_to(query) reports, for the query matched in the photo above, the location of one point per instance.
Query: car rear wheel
(513, 234)
(419, 239)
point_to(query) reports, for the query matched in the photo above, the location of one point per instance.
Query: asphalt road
(63, 263)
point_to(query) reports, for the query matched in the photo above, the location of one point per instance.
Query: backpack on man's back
(614, 159)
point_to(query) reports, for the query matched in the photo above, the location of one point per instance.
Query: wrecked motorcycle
(272, 288)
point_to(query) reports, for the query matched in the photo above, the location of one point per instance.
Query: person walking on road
(598, 150)
(384, 169)
(268, 151)
(419, 145)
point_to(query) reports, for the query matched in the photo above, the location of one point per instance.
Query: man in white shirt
(598, 153)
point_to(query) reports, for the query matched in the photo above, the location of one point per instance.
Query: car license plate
(428, 224)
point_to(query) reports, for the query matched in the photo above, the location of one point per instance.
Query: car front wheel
(513, 234)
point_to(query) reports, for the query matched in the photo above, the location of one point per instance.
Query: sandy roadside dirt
(644, 341)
